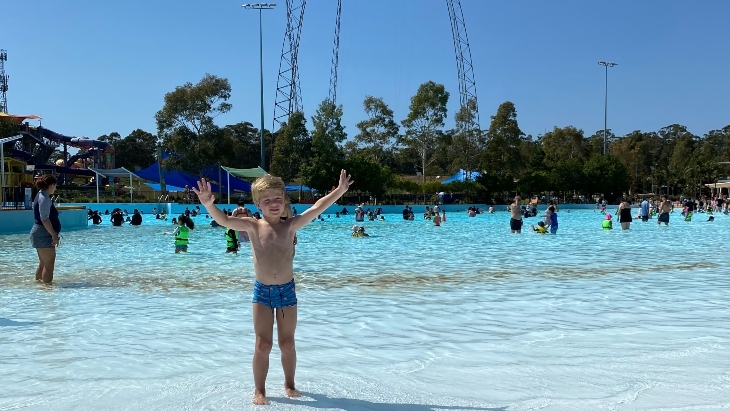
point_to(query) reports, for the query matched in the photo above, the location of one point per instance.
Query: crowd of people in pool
(649, 208)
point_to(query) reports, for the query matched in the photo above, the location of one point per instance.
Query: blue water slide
(79, 142)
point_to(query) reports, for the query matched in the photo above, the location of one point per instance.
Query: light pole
(605, 103)
(260, 7)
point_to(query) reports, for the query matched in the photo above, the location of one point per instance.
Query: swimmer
(608, 222)
(362, 232)
(232, 243)
(242, 211)
(540, 229)
(515, 221)
(436, 220)
(665, 207)
(182, 233)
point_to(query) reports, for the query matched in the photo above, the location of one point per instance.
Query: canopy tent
(181, 179)
(299, 188)
(725, 184)
(120, 172)
(246, 172)
(242, 173)
(462, 175)
(158, 187)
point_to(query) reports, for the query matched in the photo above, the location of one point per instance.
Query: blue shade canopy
(297, 188)
(462, 175)
(157, 187)
(181, 179)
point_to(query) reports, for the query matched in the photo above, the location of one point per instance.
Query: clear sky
(91, 67)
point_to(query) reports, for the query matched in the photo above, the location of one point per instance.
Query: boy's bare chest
(275, 237)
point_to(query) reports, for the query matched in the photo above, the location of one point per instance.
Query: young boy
(272, 242)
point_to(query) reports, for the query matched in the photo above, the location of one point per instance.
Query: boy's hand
(345, 181)
(204, 193)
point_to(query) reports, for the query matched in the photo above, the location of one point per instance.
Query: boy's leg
(286, 324)
(263, 325)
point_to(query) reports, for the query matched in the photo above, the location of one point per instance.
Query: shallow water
(461, 317)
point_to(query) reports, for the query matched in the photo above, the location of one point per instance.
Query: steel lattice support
(3, 82)
(335, 57)
(288, 91)
(467, 84)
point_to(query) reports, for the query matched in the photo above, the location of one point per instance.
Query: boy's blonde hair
(264, 183)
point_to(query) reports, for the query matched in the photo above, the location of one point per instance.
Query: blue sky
(92, 67)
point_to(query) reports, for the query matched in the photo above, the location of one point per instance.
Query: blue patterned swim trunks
(275, 296)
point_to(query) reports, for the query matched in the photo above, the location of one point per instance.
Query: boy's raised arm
(206, 197)
(321, 205)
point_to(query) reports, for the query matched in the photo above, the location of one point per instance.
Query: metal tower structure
(3, 82)
(335, 57)
(288, 92)
(467, 84)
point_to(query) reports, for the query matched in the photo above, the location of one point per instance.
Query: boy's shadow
(351, 404)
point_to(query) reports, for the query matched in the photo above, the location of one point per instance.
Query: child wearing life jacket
(540, 229)
(182, 233)
(608, 222)
(232, 243)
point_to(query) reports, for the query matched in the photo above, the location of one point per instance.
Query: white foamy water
(460, 317)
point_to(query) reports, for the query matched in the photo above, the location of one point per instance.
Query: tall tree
(563, 144)
(466, 139)
(425, 120)
(379, 132)
(371, 177)
(715, 145)
(110, 138)
(634, 150)
(287, 157)
(605, 175)
(137, 150)
(683, 160)
(246, 144)
(568, 176)
(504, 138)
(185, 123)
(326, 156)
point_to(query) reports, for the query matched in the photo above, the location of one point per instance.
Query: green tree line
(384, 152)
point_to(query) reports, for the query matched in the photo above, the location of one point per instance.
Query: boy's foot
(259, 398)
(292, 392)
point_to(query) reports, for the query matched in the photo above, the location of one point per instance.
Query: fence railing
(14, 198)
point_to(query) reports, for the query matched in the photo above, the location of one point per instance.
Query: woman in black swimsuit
(625, 214)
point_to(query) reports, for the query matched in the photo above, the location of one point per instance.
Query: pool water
(465, 316)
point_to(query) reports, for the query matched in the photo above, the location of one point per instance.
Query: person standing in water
(44, 234)
(242, 211)
(645, 210)
(624, 214)
(436, 219)
(515, 221)
(272, 243)
(665, 207)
